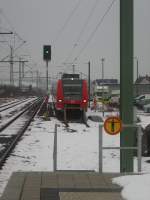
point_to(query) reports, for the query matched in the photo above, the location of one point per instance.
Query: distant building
(105, 81)
(111, 84)
(143, 80)
(142, 85)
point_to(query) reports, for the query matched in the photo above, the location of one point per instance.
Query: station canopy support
(126, 83)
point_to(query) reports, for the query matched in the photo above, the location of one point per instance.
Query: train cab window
(72, 89)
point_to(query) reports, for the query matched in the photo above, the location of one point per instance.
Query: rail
(12, 105)
(19, 134)
(17, 116)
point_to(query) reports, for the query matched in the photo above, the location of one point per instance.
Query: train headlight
(59, 100)
(84, 101)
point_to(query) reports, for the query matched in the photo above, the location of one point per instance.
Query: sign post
(113, 126)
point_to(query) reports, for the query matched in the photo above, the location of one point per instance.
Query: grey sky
(39, 21)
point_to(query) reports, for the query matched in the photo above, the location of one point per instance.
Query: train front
(72, 93)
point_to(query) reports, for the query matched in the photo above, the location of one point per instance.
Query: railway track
(84, 122)
(11, 105)
(11, 141)
(81, 118)
(17, 116)
(68, 116)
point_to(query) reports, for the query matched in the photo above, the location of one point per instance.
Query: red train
(71, 93)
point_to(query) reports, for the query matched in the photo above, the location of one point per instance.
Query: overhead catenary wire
(4, 35)
(13, 50)
(83, 29)
(66, 22)
(95, 30)
(14, 35)
(5, 29)
(7, 20)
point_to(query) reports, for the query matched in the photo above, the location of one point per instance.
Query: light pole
(89, 81)
(137, 67)
(102, 60)
(137, 74)
(11, 66)
(21, 69)
(73, 65)
(73, 68)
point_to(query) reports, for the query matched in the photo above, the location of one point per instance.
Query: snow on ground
(77, 148)
(14, 127)
(7, 115)
(136, 187)
(1, 147)
(33, 153)
(5, 101)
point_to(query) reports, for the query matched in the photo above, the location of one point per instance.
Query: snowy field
(77, 149)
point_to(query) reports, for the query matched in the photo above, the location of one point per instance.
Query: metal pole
(22, 72)
(100, 149)
(103, 85)
(139, 135)
(127, 136)
(89, 83)
(37, 78)
(65, 115)
(137, 68)
(11, 66)
(47, 75)
(73, 68)
(19, 72)
(55, 150)
(137, 71)
(23, 68)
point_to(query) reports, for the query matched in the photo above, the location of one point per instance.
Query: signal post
(47, 58)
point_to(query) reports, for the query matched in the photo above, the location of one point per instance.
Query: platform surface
(61, 186)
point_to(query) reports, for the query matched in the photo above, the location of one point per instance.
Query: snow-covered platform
(61, 185)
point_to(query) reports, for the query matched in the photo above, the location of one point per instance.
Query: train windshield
(72, 89)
